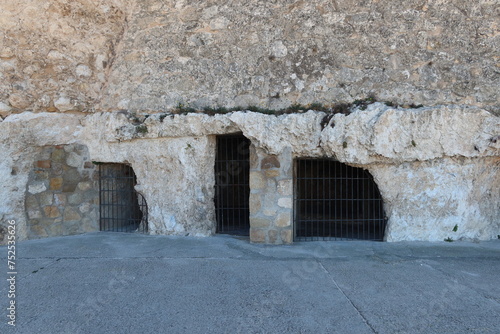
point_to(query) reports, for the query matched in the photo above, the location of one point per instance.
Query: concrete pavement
(132, 283)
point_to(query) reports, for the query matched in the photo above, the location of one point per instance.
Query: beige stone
(283, 219)
(285, 202)
(34, 214)
(254, 203)
(257, 236)
(71, 214)
(257, 180)
(60, 199)
(257, 222)
(270, 209)
(58, 155)
(272, 236)
(56, 183)
(285, 187)
(270, 161)
(272, 173)
(286, 236)
(46, 198)
(51, 211)
(85, 185)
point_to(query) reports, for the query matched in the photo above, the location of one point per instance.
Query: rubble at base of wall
(436, 167)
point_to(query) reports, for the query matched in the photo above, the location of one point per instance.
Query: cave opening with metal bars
(121, 207)
(334, 201)
(232, 188)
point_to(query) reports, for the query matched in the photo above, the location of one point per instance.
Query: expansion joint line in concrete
(348, 299)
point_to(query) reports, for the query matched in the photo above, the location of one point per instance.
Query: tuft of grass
(413, 143)
(455, 228)
(448, 239)
(344, 144)
(141, 129)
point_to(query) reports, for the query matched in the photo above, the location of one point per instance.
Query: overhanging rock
(437, 168)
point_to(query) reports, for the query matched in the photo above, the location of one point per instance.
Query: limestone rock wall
(435, 167)
(96, 55)
(55, 55)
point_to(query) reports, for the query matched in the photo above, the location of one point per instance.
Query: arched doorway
(334, 201)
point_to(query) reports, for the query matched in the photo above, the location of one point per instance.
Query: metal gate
(121, 208)
(333, 201)
(232, 189)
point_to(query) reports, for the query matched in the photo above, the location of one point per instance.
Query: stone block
(254, 203)
(37, 188)
(31, 202)
(57, 168)
(54, 229)
(84, 207)
(69, 187)
(60, 199)
(74, 160)
(270, 210)
(58, 155)
(56, 183)
(285, 202)
(271, 173)
(257, 222)
(257, 180)
(285, 187)
(273, 236)
(46, 198)
(41, 175)
(43, 164)
(286, 236)
(270, 161)
(88, 225)
(71, 214)
(75, 198)
(37, 231)
(51, 211)
(34, 214)
(254, 158)
(283, 220)
(257, 236)
(72, 176)
(84, 186)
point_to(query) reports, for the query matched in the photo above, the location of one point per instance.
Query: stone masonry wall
(62, 195)
(271, 197)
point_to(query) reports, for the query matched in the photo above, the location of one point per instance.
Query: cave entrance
(232, 189)
(334, 201)
(121, 207)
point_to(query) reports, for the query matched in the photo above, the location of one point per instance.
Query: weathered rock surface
(435, 167)
(87, 55)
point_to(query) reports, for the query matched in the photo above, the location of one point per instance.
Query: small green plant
(344, 144)
(416, 106)
(413, 143)
(188, 146)
(448, 239)
(97, 163)
(455, 228)
(141, 129)
(316, 106)
(162, 117)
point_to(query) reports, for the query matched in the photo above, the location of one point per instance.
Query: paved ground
(130, 283)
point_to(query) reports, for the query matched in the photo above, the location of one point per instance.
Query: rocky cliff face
(95, 55)
(435, 167)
